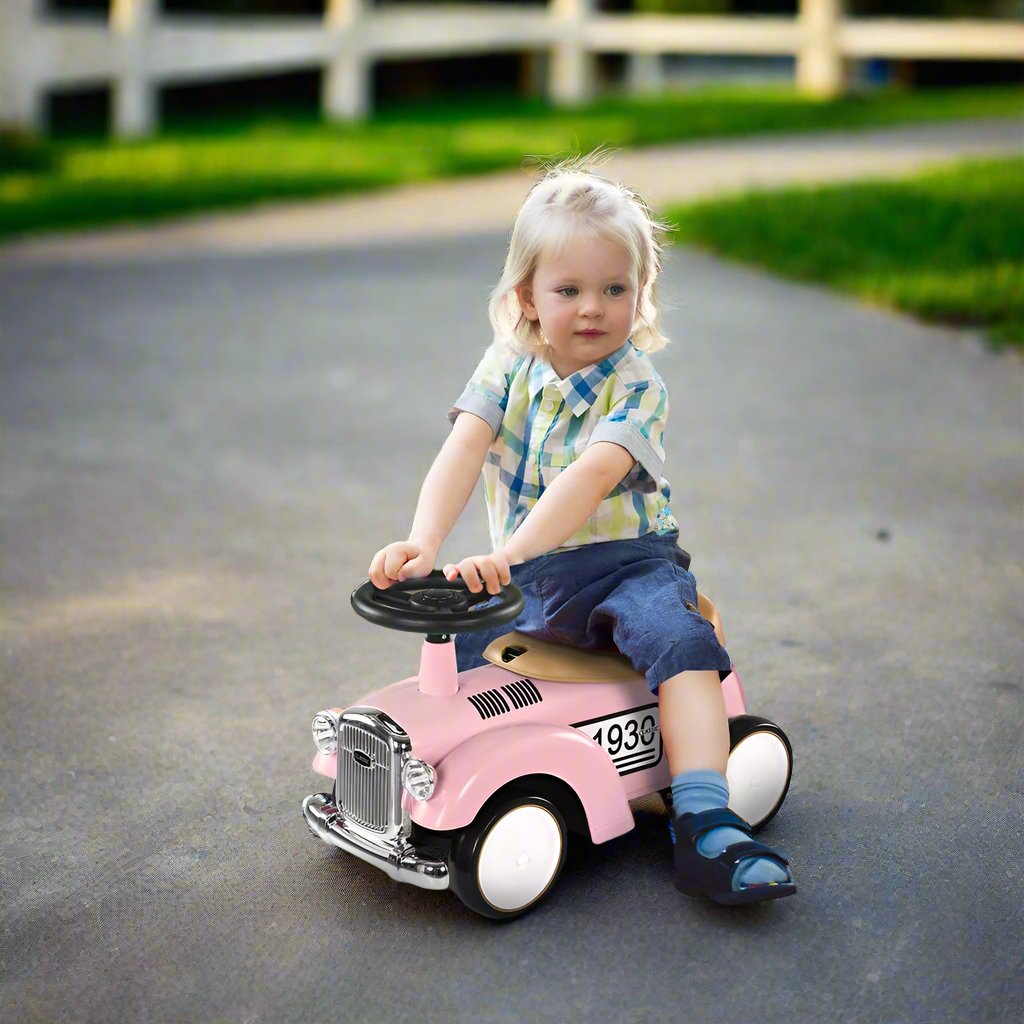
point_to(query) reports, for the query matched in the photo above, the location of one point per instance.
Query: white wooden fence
(137, 50)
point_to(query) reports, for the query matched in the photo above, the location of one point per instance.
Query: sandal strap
(742, 851)
(692, 826)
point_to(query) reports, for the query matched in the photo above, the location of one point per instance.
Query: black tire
(475, 868)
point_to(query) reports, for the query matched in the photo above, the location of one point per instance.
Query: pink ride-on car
(473, 781)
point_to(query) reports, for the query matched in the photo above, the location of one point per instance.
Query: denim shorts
(634, 595)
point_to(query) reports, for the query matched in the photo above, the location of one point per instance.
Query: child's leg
(694, 726)
(646, 605)
(695, 731)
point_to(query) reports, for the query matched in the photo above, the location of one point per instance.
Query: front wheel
(507, 860)
(759, 770)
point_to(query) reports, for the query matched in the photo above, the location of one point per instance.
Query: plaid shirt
(543, 424)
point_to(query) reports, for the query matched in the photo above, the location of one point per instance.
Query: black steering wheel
(435, 605)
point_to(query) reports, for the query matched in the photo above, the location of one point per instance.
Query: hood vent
(522, 693)
(491, 703)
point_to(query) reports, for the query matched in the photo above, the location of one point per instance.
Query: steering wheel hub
(439, 601)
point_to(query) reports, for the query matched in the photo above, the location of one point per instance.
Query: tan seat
(563, 664)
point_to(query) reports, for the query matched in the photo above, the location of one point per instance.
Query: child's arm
(446, 489)
(562, 509)
(570, 500)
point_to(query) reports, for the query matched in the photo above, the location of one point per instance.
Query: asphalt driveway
(199, 455)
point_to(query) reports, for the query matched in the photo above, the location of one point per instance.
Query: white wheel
(511, 855)
(520, 857)
(759, 769)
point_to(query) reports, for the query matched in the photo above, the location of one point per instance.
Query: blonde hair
(571, 203)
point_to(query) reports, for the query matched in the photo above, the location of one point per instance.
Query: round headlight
(418, 778)
(325, 733)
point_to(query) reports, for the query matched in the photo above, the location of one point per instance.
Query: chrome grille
(370, 748)
(364, 790)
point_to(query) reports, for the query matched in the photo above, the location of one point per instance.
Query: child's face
(591, 286)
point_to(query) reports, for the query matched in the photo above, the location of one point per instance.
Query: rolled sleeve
(637, 423)
(486, 394)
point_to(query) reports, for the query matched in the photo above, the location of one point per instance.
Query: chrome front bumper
(396, 858)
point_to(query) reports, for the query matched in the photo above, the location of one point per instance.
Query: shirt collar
(579, 389)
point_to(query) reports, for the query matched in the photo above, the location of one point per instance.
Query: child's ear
(524, 293)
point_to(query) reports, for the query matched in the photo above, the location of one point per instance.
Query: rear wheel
(759, 770)
(508, 859)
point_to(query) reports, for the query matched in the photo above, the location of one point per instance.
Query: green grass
(947, 245)
(201, 165)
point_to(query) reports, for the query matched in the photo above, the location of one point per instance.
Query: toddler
(565, 415)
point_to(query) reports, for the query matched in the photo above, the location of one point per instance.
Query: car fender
(477, 768)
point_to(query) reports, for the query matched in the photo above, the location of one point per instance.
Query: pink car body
(473, 780)
(500, 725)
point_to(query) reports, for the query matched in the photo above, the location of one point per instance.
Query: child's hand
(492, 568)
(403, 560)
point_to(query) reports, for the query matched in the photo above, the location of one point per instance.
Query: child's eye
(569, 288)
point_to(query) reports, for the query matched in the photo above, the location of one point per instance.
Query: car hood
(493, 698)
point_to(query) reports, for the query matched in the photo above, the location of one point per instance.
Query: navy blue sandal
(697, 875)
